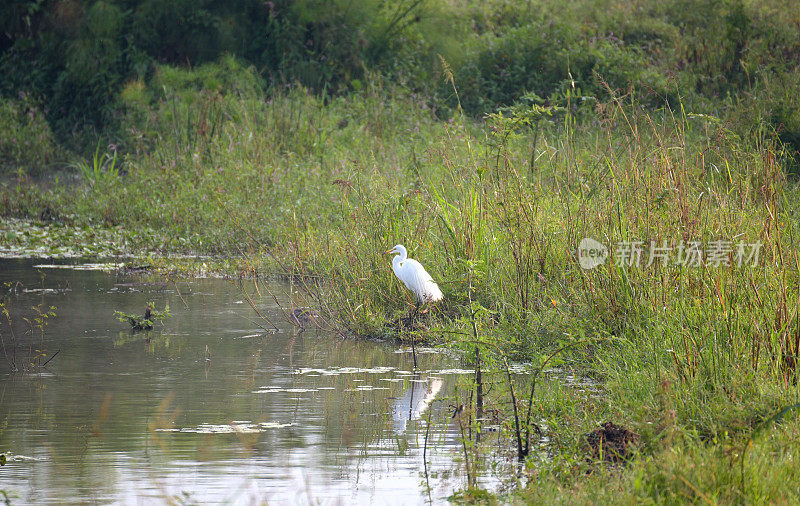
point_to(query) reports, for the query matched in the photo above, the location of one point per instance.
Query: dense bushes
(178, 104)
(74, 56)
(547, 59)
(732, 59)
(26, 141)
(80, 62)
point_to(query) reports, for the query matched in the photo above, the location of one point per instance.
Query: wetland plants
(145, 321)
(691, 353)
(23, 346)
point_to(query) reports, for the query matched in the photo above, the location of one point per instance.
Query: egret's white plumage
(414, 276)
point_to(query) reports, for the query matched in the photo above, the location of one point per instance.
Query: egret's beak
(388, 252)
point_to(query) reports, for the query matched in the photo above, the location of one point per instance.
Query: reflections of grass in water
(123, 416)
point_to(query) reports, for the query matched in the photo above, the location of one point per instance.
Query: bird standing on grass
(414, 276)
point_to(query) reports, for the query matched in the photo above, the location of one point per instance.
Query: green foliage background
(78, 63)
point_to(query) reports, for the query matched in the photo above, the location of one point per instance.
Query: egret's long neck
(397, 259)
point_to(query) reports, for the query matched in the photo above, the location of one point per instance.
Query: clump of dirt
(611, 442)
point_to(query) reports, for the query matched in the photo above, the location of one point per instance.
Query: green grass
(694, 359)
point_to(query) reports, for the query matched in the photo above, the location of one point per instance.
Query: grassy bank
(694, 358)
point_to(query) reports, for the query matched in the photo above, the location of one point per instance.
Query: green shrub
(546, 58)
(76, 55)
(771, 111)
(226, 75)
(26, 141)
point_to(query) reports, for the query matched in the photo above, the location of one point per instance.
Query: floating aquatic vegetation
(519, 368)
(10, 457)
(241, 427)
(275, 390)
(320, 371)
(123, 290)
(28, 239)
(105, 267)
(513, 369)
(420, 350)
(46, 291)
(365, 388)
(452, 371)
(345, 370)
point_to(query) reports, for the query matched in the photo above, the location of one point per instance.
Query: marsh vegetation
(491, 140)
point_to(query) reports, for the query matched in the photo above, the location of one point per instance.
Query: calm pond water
(298, 417)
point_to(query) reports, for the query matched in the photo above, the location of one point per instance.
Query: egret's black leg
(413, 340)
(412, 315)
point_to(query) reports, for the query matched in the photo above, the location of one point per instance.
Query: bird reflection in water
(414, 402)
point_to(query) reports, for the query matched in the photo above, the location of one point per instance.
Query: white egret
(414, 276)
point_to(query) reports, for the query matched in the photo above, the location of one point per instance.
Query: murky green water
(292, 416)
